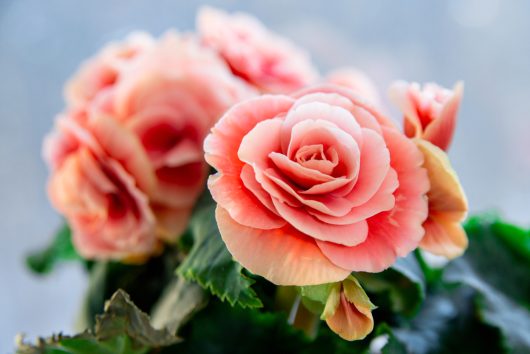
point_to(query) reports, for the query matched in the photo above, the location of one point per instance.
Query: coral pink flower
(430, 112)
(355, 80)
(264, 59)
(314, 186)
(167, 93)
(101, 196)
(169, 98)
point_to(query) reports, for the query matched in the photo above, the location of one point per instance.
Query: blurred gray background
(486, 43)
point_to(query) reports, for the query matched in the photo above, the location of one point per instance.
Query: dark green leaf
(400, 288)
(496, 255)
(144, 283)
(448, 323)
(220, 329)
(61, 249)
(392, 345)
(121, 329)
(211, 265)
(495, 268)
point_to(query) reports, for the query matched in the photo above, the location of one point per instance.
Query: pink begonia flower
(262, 58)
(164, 95)
(355, 80)
(170, 97)
(430, 112)
(314, 186)
(99, 195)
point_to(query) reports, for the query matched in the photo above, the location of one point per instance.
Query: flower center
(317, 158)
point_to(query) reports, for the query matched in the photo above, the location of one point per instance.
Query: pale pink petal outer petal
(440, 132)
(355, 80)
(400, 94)
(222, 145)
(221, 151)
(358, 102)
(313, 111)
(244, 207)
(396, 232)
(286, 257)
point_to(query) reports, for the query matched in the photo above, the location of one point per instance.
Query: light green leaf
(211, 265)
(61, 249)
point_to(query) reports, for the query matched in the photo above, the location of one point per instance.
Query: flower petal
(349, 235)
(222, 145)
(375, 163)
(447, 205)
(401, 96)
(440, 131)
(244, 207)
(349, 321)
(398, 231)
(444, 236)
(283, 256)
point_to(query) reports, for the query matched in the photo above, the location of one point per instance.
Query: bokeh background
(486, 43)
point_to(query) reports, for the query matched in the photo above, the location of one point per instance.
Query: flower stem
(289, 301)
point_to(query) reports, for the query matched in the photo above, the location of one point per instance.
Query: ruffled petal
(349, 235)
(222, 145)
(375, 163)
(283, 256)
(398, 231)
(242, 206)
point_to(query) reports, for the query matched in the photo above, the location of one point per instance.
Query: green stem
(288, 300)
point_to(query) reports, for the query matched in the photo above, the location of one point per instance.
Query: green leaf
(121, 329)
(61, 249)
(211, 265)
(178, 303)
(495, 269)
(446, 324)
(220, 329)
(400, 288)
